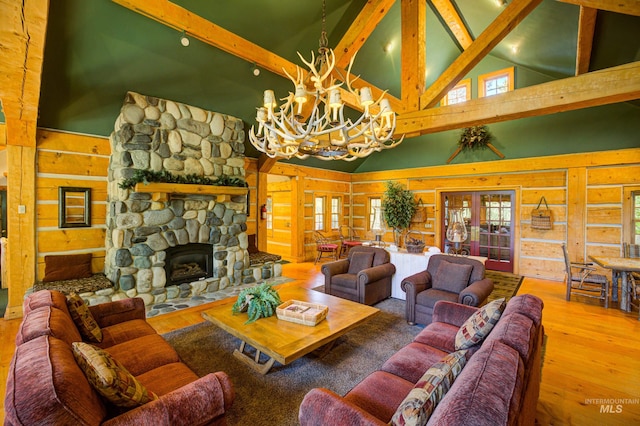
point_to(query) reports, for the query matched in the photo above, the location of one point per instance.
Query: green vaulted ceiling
(97, 50)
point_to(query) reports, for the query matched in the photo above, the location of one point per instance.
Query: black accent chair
(452, 278)
(363, 277)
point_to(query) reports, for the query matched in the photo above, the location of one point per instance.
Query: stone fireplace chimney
(142, 224)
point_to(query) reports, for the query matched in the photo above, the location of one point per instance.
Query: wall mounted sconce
(255, 70)
(184, 40)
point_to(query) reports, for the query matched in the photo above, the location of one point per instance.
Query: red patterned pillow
(480, 324)
(109, 377)
(418, 405)
(83, 319)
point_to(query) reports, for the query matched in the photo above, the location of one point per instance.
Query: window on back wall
(374, 220)
(460, 93)
(635, 217)
(318, 213)
(496, 82)
(336, 206)
(269, 213)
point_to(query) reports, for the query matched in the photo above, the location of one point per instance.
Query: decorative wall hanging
(541, 218)
(74, 207)
(475, 137)
(420, 215)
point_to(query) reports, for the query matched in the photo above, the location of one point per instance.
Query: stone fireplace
(195, 234)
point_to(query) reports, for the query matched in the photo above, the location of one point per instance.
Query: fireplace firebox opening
(188, 263)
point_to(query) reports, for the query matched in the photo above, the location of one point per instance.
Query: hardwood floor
(591, 367)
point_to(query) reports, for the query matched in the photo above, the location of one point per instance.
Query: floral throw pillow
(83, 319)
(479, 325)
(109, 378)
(418, 405)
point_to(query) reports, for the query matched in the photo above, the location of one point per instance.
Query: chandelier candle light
(284, 133)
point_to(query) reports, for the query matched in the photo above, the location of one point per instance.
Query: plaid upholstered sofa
(497, 382)
(47, 386)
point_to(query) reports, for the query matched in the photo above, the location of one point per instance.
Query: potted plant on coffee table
(258, 302)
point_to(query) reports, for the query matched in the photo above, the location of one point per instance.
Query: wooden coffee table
(285, 341)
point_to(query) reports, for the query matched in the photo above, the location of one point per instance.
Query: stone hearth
(154, 134)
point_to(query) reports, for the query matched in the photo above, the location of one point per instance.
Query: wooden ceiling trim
(180, 19)
(512, 15)
(414, 52)
(626, 7)
(586, 30)
(367, 20)
(608, 86)
(450, 15)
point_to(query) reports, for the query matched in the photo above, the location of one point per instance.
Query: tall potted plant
(398, 206)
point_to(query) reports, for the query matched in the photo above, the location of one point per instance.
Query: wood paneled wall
(588, 194)
(65, 159)
(251, 177)
(584, 191)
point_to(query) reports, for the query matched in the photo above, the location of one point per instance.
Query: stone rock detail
(155, 134)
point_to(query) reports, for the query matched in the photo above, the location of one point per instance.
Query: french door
(488, 218)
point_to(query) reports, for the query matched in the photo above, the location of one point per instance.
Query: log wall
(588, 194)
(65, 159)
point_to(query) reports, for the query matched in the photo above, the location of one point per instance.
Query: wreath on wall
(475, 137)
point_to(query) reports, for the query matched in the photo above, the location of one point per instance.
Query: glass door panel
(488, 217)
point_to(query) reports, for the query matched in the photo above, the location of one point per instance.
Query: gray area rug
(274, 399)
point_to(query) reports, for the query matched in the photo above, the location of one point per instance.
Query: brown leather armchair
(453, 278)
(364, 276)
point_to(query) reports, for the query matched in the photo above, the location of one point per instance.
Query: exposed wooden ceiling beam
(626, 7)
(22, 38)
(180, 19)
(608, 86)
(450, 15)
(367, 20)
(414, 51)
(512, 15)
(586, 29)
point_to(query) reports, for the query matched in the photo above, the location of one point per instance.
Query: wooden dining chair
(633, 278)
(581, 280)
(348, 239)
(324, 246)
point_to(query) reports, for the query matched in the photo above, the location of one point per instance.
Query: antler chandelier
(283, 131)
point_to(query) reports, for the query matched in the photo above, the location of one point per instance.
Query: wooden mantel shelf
(160, 191)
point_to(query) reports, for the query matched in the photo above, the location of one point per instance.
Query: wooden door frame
(517, 216)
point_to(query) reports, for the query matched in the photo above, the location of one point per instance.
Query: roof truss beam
(450, 15)
(180, 19)
(512, 15)
(608, 86)
(367, 20)
(626, 7)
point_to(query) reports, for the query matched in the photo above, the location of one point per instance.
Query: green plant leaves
(398, 205)
(475, 137)
(147, 176)
(261, 302)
